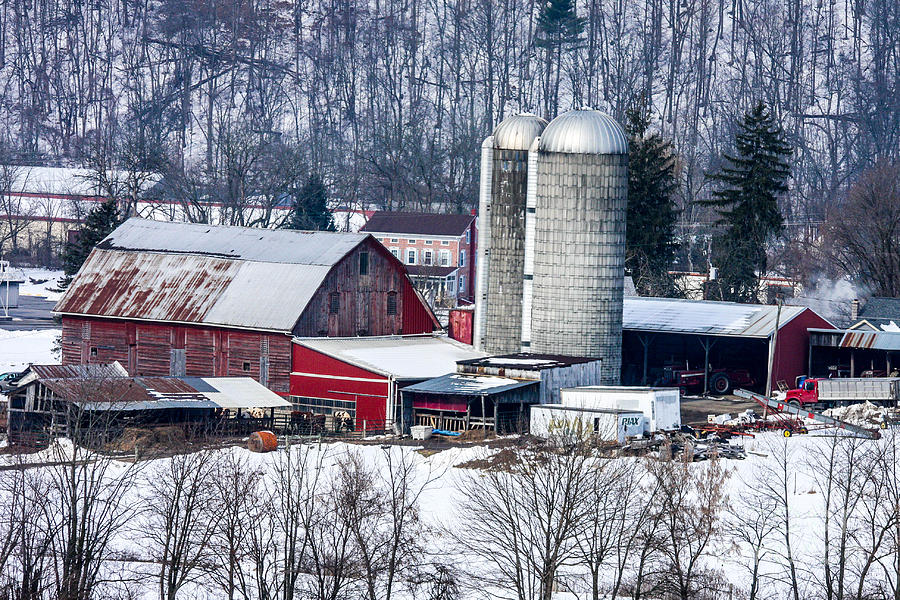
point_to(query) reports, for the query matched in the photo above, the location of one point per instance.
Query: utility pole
(772, 342)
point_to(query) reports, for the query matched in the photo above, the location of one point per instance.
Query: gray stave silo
(501, 245)
(575, 248)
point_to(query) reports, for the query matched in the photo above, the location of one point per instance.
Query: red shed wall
(792, 347)
(461, 325)
(317, 375)
(146, 349)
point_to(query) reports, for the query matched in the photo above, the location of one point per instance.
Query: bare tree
(862, 236)
(236, 486)
(773, 481)
(692, 502)
(752, 526)
(539, 509)
(179, 524)
(17, 210)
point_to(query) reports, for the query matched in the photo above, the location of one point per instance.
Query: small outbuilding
(10, 281)
(96, 402)
(495, 392)
(360, 378)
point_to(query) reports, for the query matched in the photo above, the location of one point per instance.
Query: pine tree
(747, 202)
(98, 224)
(650, 233)
(560, 28)
(310, 208)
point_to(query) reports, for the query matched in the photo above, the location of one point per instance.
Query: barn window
(334, 303)
(93, 351)
(246, 366)
(363, 263)
(392, 303)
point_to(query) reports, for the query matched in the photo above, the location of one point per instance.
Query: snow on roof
(456, 384)
(235, 243)
(236, 392)
(64, 181)
(229, 276)
(529, 361)
(704, 317)
(402, 357)
(522, 362)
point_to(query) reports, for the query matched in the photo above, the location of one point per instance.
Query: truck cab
(807, 392)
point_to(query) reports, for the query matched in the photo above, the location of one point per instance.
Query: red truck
(844, 391)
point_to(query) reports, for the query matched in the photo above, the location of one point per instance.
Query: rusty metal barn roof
(704, 317)
(187, 273)
(117, 393)
(875, 340)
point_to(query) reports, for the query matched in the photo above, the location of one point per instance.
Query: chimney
(854, 310)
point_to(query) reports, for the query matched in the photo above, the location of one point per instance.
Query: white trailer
(548, 420)
(859, 389)
(660, 406)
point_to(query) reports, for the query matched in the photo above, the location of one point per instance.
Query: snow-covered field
(46, 288)
(18, 349)
(440, 502)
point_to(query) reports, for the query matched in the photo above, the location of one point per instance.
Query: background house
(438, 250)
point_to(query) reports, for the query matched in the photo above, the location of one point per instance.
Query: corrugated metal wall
(580, 257)
(505, 262)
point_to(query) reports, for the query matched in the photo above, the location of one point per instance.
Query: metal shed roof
(236, 392)
(157, 393)
(401, 357)
(704, 317)
(456, 384)
(236, 243)
(875, 340)
(187, 273)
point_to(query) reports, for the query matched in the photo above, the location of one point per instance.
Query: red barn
(185, 299)
(362, 376)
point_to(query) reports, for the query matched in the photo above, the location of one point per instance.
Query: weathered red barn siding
(461, 325)
(146, 349)
(316, 375)
(792, 347)
(364, 299)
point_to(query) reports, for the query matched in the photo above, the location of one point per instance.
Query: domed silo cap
(584, 132)
(518, 131)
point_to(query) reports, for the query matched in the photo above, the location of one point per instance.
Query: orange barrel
(262, 441)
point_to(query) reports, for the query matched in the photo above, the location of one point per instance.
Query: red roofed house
(183, 299)
(437, 249)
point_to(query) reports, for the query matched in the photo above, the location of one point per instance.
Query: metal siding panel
(484, 244)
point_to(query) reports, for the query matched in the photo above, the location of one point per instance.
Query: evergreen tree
(650, 233)
(560, 28)
(747, 202)
(98, 224)
(310, 208)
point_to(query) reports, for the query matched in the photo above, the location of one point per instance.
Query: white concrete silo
(575, 240)
(501, 244)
